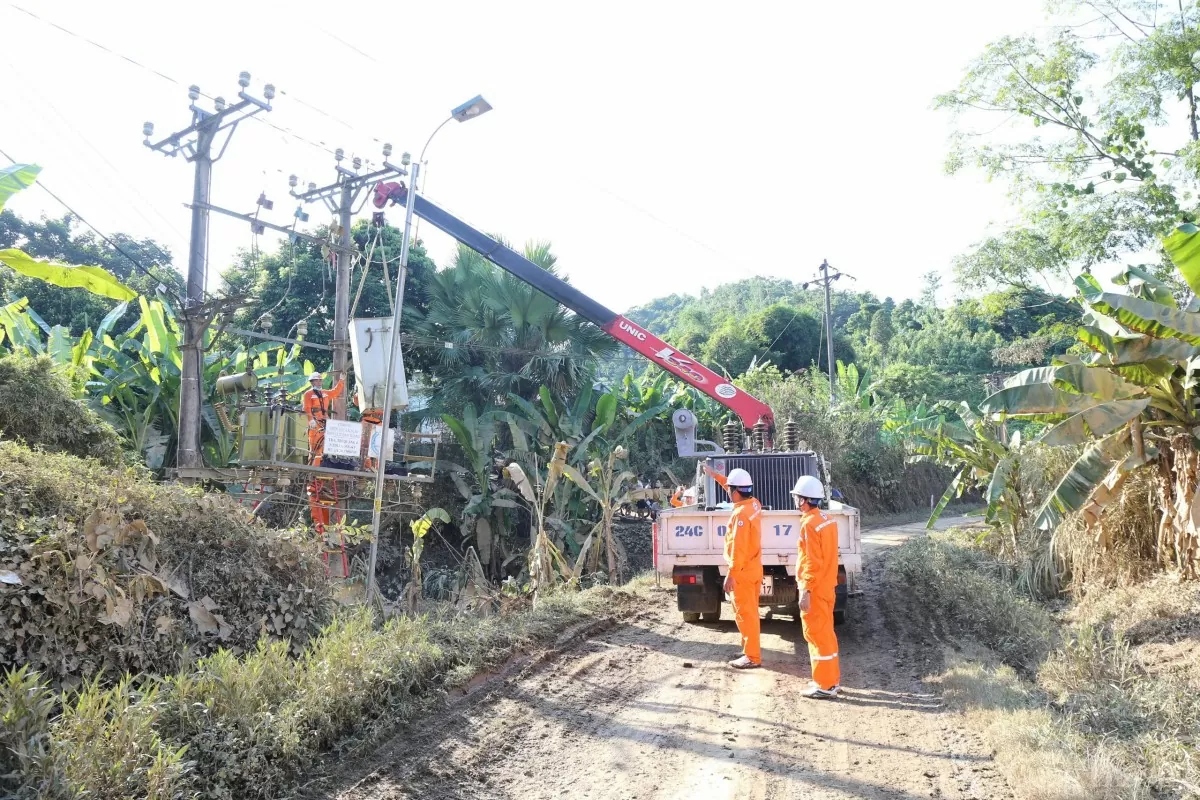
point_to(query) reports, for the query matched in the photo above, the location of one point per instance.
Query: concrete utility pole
(827, 275)
(196, 143)
(340, 198)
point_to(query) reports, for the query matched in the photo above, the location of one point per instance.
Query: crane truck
(688, 541)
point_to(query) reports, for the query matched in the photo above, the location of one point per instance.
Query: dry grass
(115, 573)
(1098, 713)
(1043, 758)
(250, 727)
(1120, 551)
(963, 592)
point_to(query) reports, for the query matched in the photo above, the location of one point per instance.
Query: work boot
(815, 692)
(744, 663)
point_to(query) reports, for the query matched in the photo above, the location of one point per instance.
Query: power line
(165, 284)
(164, 76)
(100, 154)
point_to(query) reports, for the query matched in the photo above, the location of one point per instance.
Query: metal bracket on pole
(291, 232)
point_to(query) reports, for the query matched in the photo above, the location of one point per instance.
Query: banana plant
(485, 501)
(973, 446)
(1129, 400)
(546, 560)
(608, 485)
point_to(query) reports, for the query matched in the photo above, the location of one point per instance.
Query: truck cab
(689, 542)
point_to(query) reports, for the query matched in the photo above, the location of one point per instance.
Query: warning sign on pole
(343, 438)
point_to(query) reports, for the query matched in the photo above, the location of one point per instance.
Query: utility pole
(340, 198)
(826, 276)
(196, 143)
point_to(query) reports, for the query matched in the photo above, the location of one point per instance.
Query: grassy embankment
(1097, 699)
(158, 642)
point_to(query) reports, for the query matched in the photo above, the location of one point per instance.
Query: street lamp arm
(421, 159)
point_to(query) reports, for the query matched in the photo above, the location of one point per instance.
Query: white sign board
(370, 348)
(343, 438)
(373, 448)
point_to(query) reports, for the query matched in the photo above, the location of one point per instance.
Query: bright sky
(660, 146)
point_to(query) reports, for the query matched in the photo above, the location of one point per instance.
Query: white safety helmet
(316, 376)
(809, 488)
(739, 479)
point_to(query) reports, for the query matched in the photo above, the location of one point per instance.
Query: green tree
(1091, 185)
(61, 240)
(910, 382)
(296, 282)
(732, 348)
(882, 332)
(791, 336)
(507, 337)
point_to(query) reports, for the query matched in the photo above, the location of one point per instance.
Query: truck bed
(693, 536)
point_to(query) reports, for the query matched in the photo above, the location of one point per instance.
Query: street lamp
(468, 110)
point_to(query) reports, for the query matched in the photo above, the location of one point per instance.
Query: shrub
(963, 591)
(38, 406)
(108, 572)
(249, 727)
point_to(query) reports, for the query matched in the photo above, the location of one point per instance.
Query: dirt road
(648, 709)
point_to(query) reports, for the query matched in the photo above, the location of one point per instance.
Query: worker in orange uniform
(743, 555)
(318, 405)
(677, 498)
(816, 575)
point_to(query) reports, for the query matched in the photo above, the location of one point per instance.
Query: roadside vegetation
(163, 641)
(1069, 614)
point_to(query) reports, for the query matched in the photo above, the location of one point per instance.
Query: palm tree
(508, 337)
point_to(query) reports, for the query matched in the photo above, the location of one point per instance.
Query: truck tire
(712, 616)
(839, 616)
(691, 616)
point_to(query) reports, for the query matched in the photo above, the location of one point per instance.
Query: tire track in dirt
(649, 711)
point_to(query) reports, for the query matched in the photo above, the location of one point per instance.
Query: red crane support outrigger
(752, 411)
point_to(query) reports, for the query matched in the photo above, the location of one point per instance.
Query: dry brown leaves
(100, 572)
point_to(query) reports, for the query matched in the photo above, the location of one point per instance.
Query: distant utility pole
(827, 275)
(196, 143)
(340, 198)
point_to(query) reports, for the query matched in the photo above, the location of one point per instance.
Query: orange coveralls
(743, 554)
(677, 498)
(318, 404)
(817, 572)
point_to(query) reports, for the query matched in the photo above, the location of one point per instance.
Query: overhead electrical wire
(66, 121)
(164, 76)
(164, 284)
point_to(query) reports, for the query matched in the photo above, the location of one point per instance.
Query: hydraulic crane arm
(751, 410)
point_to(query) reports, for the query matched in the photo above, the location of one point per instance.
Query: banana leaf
(96, 280)
(998, 484)
(1081, 479)
(1036, 399)
(1144, 285)
(606, 410)
(955, 489)
(1096, 422)
(1183, 246)
(1138, 315)
(58, 346)
(1099, 382)
(15, 178)
(19, 328)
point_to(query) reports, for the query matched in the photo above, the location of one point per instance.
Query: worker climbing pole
(323, 499)
(318, 406)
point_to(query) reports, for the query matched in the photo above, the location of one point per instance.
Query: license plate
(768, 585)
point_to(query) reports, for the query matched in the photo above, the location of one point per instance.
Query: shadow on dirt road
(649, 710)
